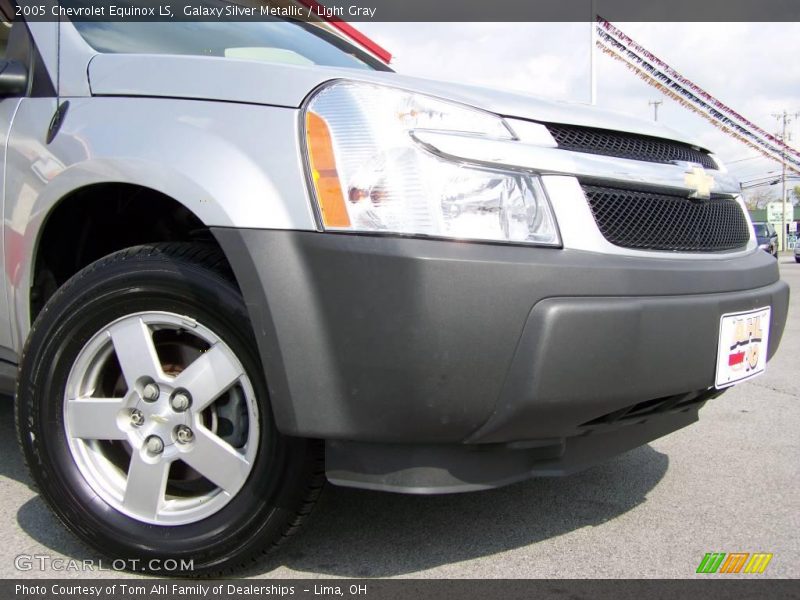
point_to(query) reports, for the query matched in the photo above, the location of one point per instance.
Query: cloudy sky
(752, 67)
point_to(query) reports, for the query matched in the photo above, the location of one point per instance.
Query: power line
(768, 176)
(757, 184)
(738, 160)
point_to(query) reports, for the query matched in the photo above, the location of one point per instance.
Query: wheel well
(100, 219)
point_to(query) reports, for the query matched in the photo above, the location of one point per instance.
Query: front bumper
(373, 342)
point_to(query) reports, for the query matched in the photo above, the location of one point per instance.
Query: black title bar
(396, 589)
(412, 10)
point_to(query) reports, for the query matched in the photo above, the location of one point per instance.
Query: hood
(230, 80)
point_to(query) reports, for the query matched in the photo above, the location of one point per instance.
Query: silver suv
(241, 258)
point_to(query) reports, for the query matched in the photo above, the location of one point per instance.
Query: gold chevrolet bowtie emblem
(697, 179)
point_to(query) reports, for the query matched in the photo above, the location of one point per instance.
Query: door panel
(8, 107)
(17, 43)
(10, 243)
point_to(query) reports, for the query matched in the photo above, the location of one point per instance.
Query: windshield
(761, 229)
(269, 39)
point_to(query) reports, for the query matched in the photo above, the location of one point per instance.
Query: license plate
(743, 342)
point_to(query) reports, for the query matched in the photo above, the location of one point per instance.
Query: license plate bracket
(742, 348)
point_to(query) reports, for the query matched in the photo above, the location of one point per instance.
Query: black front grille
(626, 145)
(656, 221)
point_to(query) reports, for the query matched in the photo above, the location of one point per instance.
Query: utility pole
(655, 104)
(785, 119)
(592, 57)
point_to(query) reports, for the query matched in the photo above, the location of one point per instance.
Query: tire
(797, 259)
(103, 476)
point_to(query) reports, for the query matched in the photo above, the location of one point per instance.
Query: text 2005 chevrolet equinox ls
(241, 258)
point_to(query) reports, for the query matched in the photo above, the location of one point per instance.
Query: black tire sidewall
(258, 512)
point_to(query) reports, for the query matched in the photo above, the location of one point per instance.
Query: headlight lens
(370, 175)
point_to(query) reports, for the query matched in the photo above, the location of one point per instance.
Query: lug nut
(150, 392)
(180, 401)
(137, 418)
(183, 434)
(154, 444)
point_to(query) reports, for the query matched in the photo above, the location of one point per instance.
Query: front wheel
(144, 418)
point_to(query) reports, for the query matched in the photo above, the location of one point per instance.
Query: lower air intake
(657, 221)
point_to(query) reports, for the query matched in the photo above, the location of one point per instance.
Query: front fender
(231, 165)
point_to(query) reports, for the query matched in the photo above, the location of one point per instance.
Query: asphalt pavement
(728, 483)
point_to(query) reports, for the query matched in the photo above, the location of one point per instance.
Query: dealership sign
(774, 212)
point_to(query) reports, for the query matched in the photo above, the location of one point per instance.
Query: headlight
(763, 246)
(370, 175)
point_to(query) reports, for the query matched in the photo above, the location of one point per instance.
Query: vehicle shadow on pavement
(355, 533)
(33, 517)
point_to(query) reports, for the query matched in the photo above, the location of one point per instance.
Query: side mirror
(13, 78)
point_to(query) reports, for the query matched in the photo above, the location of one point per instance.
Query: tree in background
(759, 197)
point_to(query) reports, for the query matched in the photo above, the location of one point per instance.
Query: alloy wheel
(161, 418)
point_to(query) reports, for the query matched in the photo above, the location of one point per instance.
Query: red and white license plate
(743, 342)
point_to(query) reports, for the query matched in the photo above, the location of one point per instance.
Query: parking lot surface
(728, 483)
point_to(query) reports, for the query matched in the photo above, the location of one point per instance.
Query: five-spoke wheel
(153, 402)
(145, 419)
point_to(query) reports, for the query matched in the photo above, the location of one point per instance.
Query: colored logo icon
(734, 562)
